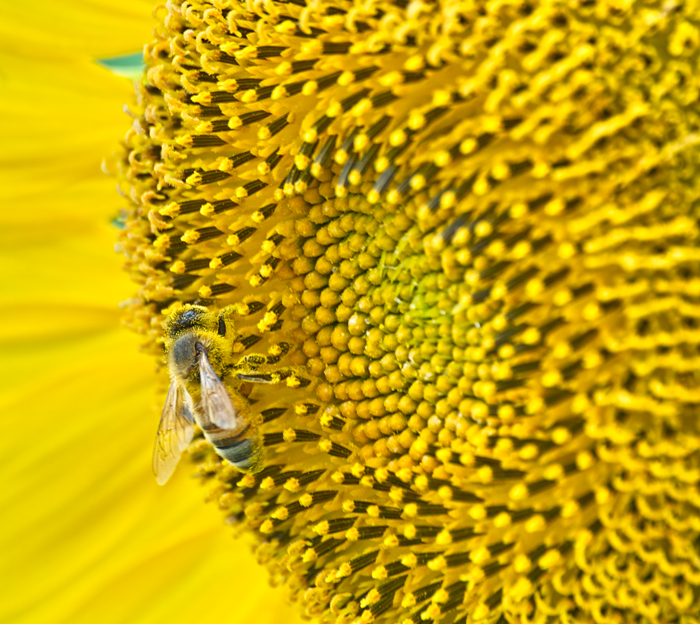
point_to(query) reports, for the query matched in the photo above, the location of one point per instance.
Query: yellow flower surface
(85, 534)
(463, 238)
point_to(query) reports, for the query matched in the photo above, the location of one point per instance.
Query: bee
(199, 358)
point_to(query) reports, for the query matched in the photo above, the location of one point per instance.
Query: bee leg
(252, 361)
(286, 375)
(261, 378)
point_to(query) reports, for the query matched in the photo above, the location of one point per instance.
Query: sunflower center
(475, 225)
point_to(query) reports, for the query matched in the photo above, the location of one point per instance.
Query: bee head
(188, 317)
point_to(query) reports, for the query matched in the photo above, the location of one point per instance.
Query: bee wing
(216, 402)
(175, 432)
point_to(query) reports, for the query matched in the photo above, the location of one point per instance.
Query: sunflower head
(474, 224)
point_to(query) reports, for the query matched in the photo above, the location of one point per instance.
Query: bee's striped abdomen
(240, 449)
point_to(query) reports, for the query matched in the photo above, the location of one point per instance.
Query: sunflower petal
(97, 28)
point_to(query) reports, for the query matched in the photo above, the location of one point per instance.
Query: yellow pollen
(190, 237)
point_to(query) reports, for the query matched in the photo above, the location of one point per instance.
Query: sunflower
(458, 243)
(86, 534)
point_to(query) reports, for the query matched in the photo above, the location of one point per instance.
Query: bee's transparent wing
(175, 432)
(216, 402)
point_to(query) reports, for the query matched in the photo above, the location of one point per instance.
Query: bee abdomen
(243, 452)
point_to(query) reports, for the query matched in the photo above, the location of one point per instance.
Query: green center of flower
(476, 226)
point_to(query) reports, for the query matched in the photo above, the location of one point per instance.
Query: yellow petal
(96, 28)
(57, 122)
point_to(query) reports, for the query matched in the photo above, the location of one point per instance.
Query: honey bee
(199, 358)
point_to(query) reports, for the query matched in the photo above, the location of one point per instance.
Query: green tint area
(129, 65)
